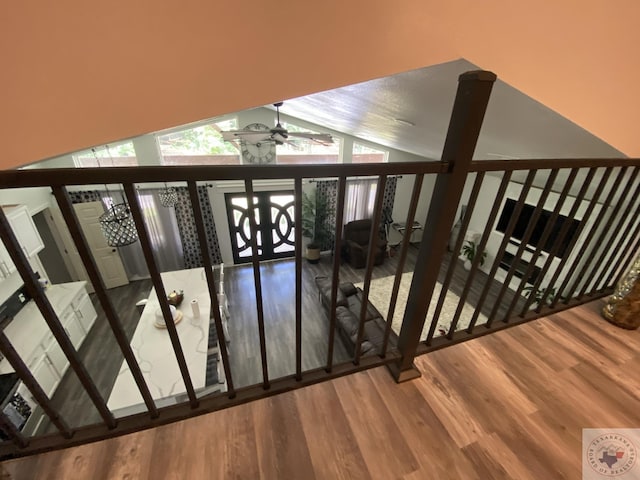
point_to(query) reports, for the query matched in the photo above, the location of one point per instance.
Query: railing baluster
(559, 240)
(504, 184)
(523, 242)
(34, 387)
(342, 183)
(541, 243)
(626, 252)
(71, 220)
(587, 243)
(154, 272)
(33, 288)
(614, 253)
(297, 212)
(211, 283)
(505, 240)
(374, 238)
(550, 287)
(475, 191)
(610, 229)
(404, 249)
(248, 185)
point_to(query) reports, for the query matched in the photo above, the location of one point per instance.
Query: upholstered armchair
(356, 244)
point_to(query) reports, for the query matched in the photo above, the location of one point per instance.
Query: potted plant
(539, 294)
(315, 211)
(469, 252)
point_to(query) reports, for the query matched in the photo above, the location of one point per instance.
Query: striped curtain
(327, 190)
(187, 228)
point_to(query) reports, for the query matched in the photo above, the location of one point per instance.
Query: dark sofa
(356, 244)
(348, 306)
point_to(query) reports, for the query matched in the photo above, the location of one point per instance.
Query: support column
(474, 90)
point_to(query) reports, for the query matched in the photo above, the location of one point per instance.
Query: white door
(107, 258)
(67, 248)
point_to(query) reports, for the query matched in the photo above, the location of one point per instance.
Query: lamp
(168, 196)
(116, 223)
(118, 226)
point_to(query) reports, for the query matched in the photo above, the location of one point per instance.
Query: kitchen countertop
(154, 352)
(28, 327)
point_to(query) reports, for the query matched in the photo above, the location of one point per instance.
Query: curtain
(327, 191)
(388, 200)
(187, 228)
(360, 196)
(161, 225)
(163, 234)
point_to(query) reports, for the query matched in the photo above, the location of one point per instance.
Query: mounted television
(545, 217)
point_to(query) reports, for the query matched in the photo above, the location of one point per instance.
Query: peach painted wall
(75, 74)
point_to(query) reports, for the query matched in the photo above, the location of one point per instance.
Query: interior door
(274, 214)
(107, 258)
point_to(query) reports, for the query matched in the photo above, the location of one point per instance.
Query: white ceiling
(515, 125)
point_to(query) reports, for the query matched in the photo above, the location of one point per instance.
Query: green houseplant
(315, 212)
(469, 251)
(539, 294)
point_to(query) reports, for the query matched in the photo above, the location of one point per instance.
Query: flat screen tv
(536, 236)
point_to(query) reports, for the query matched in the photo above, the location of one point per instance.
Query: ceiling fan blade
(323, 138)
(247, 136)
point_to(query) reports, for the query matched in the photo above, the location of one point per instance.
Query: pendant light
(168, 196)
(116, 223)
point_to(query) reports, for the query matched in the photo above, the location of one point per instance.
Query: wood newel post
(472, 98)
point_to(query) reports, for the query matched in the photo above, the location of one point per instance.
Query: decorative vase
(467, 264)
(627, 311)
(313, 254)
(623, 288)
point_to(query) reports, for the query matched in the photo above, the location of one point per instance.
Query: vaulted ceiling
(77, 74)
(410, 111)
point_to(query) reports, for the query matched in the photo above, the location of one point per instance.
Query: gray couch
(348, 306)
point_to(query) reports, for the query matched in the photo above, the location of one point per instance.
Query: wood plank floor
(504, 406)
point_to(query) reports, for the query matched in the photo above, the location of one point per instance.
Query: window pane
(364, 154)
(118, 155)
(202, 145)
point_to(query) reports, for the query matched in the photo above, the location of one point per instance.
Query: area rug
(380, 293)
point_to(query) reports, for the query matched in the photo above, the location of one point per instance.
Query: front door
(273, 213)
(107, 258)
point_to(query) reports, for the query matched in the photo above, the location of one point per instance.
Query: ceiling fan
(258, 133)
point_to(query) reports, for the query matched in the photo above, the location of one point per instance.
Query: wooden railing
(607, 205)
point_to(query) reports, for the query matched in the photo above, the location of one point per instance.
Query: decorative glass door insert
(273, 213)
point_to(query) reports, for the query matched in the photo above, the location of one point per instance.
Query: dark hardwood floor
(102, 356)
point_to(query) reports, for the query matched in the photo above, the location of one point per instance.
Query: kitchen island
(154, 352)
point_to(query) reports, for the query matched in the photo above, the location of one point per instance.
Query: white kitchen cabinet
(72, 327)
(46, 375)
(56, 355)
(32, 339)
(25, 230)
(7, 266)
(85, 311)
(27, 234)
